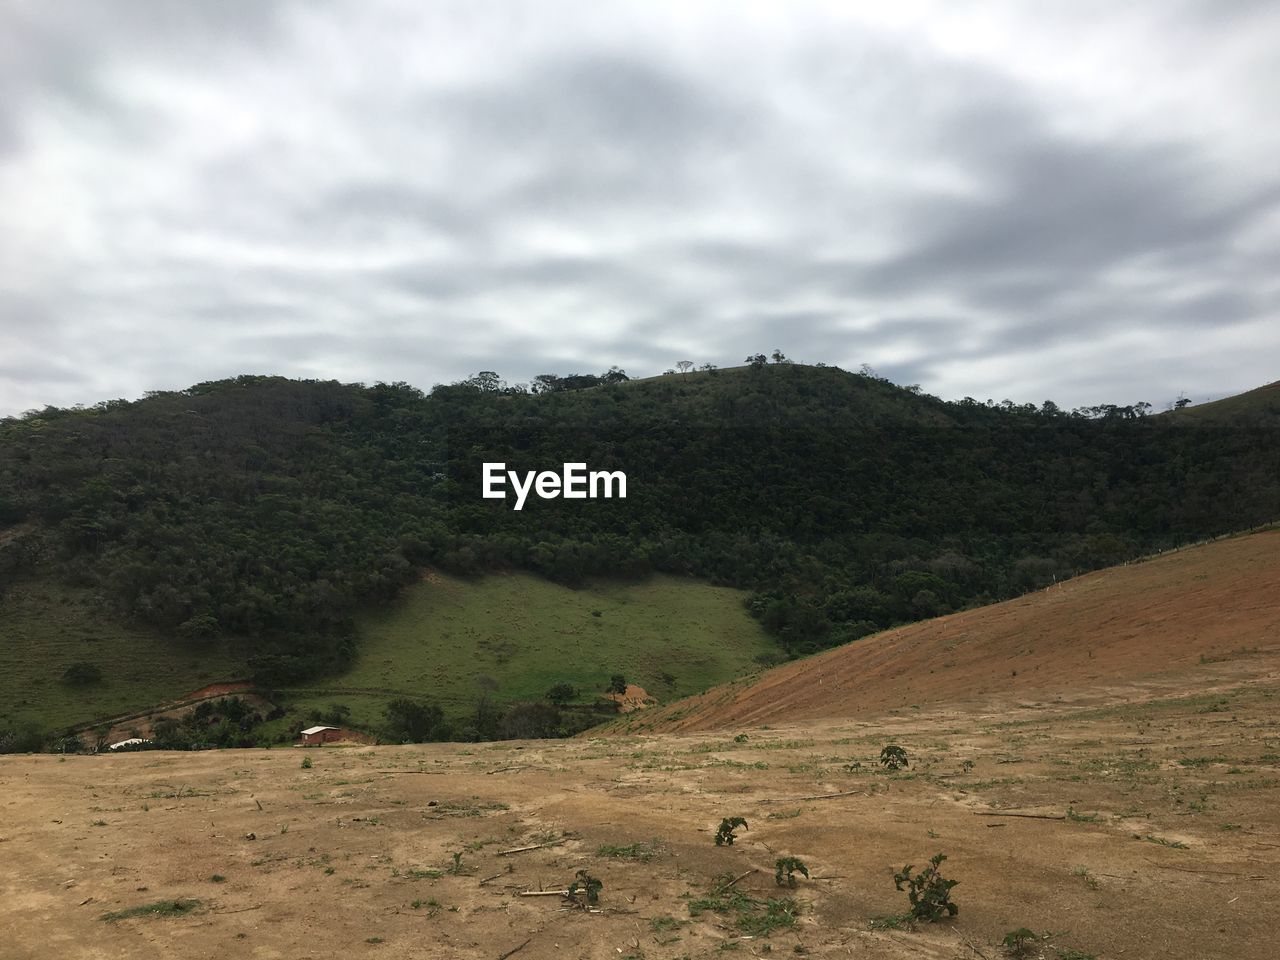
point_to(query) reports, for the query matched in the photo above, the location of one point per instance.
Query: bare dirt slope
(1085, 637)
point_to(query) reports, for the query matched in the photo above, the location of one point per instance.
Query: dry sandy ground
(1171, 847)
(1133, 712)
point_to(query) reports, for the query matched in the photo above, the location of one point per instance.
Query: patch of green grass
(643, 852)
(442, 636)
(415, 874)
(757, 918)
(161, 908)
(665, 924)
(784, 814)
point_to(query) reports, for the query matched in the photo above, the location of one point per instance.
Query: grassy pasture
(445, 635)
(45, 627)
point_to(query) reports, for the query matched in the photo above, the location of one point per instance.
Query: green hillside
(46, 627)
(1261, 402)
(275, 514)
(445, 638)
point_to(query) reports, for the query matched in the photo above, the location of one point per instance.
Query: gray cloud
(1052, 206)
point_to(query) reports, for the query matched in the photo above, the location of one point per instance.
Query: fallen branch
(743, 877)
(516, 949)
(1219, 873)
(1028, 816)
(536, 846)
(544, 893)
(488, 879)
(819, 796)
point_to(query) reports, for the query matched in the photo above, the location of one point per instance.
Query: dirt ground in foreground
(1168, 842)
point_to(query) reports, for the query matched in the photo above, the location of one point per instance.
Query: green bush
(893, 757)
(724, 833)
(82, 674)
(928, 891)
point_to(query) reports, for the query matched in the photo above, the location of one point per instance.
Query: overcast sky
(1077, 201)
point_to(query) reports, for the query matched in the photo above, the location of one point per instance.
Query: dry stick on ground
(1028, 816)
(536, 846)
(516, 949)
(1220, 873)
(487, 879)
(820, 796)
(544, 893)
(744, 876)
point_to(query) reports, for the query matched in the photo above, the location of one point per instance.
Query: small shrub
(893, 757)
(306, 763)
(82, 673)
(928, 891)
(1019, 943)
(740, 738)
(724, 833)
(786, 869)
(586, 885)
(561, 693)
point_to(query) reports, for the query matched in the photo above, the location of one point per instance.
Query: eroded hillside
(1084, 637)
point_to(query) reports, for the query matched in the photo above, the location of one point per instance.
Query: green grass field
(438, 642)
(45, 627)
(444, 636)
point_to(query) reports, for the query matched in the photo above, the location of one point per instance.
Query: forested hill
(267, 509)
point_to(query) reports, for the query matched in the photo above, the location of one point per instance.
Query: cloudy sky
(1075, 200)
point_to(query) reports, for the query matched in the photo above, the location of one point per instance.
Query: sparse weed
(1083, 873)
(751, 916)
(643, 852)
(1020, 944)
(161, 908)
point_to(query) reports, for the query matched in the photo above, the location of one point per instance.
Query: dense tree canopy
(267, 509)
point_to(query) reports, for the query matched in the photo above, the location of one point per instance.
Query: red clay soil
(217, 690)
(1216, 601)
(636, 698)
